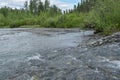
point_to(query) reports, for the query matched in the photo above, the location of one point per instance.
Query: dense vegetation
(102, 15)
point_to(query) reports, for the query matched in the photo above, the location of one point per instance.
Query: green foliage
(34, 13)
(70, 20)
(4, 11)
(49, 23)
(4, 21)
(64, 21)
(104, 17)
(107, 16)
(101, 15)
(26, 21)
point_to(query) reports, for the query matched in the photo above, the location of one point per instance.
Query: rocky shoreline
(105, 40)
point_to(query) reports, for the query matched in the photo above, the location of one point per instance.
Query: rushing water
(54, 54)
(19, 45)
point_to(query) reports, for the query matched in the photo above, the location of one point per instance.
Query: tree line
(34, 7)
(85, 5)
(37, 6)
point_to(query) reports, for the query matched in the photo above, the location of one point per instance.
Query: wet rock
(109, 39)
(34, 78)
(22, 77)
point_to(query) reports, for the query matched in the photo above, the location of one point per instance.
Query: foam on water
(71, 57)
(35, 57)
(113, 63)
(116, 63)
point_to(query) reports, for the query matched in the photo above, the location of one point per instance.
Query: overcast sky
(63, 4)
